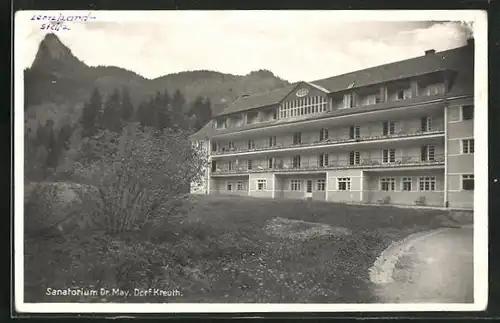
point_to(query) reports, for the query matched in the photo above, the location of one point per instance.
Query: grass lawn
(218, 250)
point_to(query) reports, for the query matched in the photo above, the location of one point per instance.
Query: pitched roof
(398, 70)
(257, 100)
(459, 59)
(205, 132)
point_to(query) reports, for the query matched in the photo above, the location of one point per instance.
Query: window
(468, 182)
(302, 92)
(309, 186)
(249, 164)
(372, 99)
(220, 124)
(231, 145)
(388, 128)
(295, 185)
(323, 160)
(261, 185)
(271, 162)
(467, 146)
(354, 132)
(302, 106)
(406, 182)
(230, 165)
(427, 183)
(296, 161)
(297, 138)
(214, 166)
(272, 141)
(251, 144)
(214, 146)
(229, 186)
(427, 153)
(344, 183)
(387, 184)
(403, 94)
(434, 89)
(323, 134)
(252, 117)
(467, 112)
(347, 101)
(389, 155)
(240, 185)
(321, 184)
(425, 124)
(354, 158)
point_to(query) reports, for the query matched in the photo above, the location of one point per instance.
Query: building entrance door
(309, 188)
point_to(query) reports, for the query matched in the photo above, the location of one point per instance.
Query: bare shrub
(140, 175)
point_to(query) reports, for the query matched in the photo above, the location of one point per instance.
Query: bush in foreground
(140, 175)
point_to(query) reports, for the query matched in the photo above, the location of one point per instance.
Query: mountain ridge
(58, 83)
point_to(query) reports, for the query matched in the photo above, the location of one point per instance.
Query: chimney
(470, 41)
(430, 52)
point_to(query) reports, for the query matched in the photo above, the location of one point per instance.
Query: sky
(294, 45)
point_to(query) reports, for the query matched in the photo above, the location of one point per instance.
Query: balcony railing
(363, 163)
(226, 151)
(381, 106)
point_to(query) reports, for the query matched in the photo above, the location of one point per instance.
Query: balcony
(364, 163)
(388, 105)
(328, 142)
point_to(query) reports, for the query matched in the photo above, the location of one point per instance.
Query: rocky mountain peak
(51, 50)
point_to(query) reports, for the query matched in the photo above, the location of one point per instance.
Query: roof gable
(303, 90)
(257, 100)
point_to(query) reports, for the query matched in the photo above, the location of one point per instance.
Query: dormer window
(403, 94)
(372, 99)
(347, 101)
(252, 117)
(220, 124)
(434, 89)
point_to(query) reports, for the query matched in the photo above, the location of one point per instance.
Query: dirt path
(432, 268)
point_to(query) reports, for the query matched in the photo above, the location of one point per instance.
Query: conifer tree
(178, 102)
(111, 115)
(163, 110)
(126, 105)
(90, 114)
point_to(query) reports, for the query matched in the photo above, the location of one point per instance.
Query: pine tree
(178, 102)
(90, 114)
(126, 105)
(206, 113)
(111, 116)
(64, 136)
(140, 114)
(202, 112)
(163, 110)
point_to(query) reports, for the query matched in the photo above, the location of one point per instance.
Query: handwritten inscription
(61, 21)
